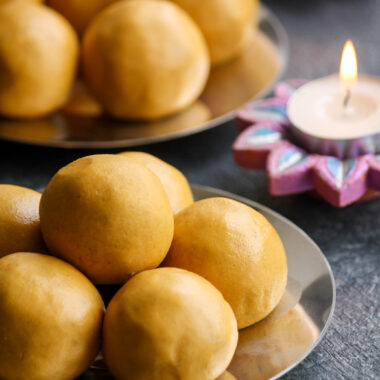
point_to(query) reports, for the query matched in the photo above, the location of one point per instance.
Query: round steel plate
(272, 347)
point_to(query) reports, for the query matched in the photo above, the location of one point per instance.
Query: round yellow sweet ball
(144, 59)
(226, 24)
(19, 220)
(107, 215)
(79, 12)
(226, 376)
(38, 59)
(237, 250)
(50, 321)
(168, 323)
(32, 1)
(175, 183)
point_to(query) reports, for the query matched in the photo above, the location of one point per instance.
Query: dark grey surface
(350, 237)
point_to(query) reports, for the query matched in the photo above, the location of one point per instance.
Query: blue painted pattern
(263, 136)
(335, 167)
(291, 158)
(341, 170)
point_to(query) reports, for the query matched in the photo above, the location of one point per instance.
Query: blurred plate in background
(229, 87)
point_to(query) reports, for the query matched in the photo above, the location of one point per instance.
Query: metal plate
(229, 87)
(272, 347)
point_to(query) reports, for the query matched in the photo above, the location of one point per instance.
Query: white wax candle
(317, 108)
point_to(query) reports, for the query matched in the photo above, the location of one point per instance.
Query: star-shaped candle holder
(266, 142)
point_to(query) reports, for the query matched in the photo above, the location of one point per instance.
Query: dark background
(350, 238)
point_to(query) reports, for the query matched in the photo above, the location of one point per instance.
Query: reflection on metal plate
(272, 347)
(80, 124)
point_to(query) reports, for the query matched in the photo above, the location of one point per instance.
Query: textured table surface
(350, 238)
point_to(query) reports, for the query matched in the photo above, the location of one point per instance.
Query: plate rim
(283, 47)
(259, 206)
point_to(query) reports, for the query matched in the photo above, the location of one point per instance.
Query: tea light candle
(338, 115)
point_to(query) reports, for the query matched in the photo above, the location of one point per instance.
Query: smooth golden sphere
(144, 59)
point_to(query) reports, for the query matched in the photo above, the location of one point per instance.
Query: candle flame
(348, 65)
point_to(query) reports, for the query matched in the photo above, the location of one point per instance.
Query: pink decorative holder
(266, 142)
